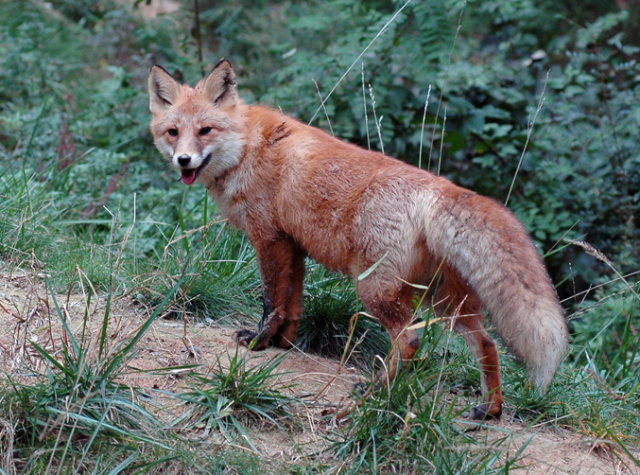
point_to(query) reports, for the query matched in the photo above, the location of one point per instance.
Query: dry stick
(366, 118)
(585, 294)
(375, 118)
(444, 122)
(529, 132)
(597, 304)
(343, 360)
(326, 114)
(384, 28)
(424, 118)
(444, 83)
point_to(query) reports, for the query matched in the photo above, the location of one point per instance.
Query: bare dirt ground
(28, 314)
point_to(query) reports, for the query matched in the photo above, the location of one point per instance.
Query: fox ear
(220, 86)
(163, 89)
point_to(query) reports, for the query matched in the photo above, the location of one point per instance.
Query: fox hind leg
(394, 311)
(458, 300)
(472, 331)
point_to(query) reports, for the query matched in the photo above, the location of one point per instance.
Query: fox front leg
(260, 339)
(281, 264)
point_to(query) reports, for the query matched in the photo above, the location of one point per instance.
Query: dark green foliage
(580, 166)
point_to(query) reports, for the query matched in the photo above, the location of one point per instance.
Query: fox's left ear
(220, 86)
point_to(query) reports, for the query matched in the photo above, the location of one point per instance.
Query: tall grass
(222, 276)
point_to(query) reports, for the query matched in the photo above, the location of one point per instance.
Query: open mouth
(190, 175)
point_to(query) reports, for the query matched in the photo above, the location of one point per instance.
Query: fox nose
(183, 160)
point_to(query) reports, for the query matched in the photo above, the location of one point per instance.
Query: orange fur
(297, 191)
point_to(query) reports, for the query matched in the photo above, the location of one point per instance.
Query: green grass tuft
(324, 329)
(235, 394)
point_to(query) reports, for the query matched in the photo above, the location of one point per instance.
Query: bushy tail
(489, 248)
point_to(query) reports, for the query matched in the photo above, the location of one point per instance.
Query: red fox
(296, 191)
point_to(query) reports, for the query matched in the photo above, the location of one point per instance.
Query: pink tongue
(188, 176)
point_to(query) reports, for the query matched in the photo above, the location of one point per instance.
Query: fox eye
(205, 130)
(173, 132)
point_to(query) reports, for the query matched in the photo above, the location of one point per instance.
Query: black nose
(183, 160)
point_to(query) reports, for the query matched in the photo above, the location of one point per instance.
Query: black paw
(480, 413)
(247, 338)
(359, 389)
(362, 389)
(281, 342)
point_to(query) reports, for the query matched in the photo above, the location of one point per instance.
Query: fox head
(196, 129)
